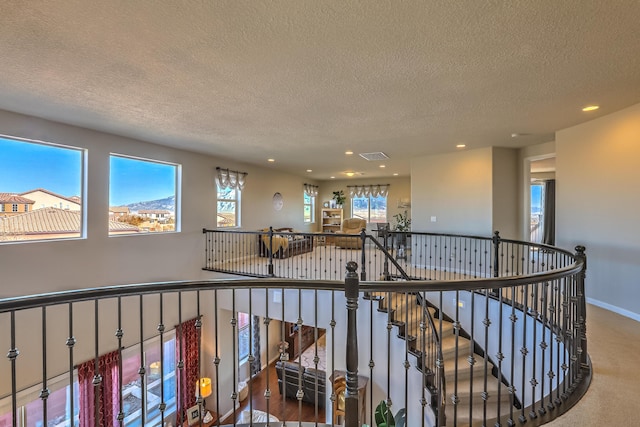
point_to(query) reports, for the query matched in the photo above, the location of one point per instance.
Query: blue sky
(536, 196)
(135, 180)
(25, 166)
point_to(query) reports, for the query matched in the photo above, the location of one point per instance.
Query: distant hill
(168, 203)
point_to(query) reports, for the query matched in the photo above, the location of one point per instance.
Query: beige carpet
(614, 347)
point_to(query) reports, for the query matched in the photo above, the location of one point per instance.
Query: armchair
(349, 236)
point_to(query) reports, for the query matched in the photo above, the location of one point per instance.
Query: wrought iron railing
(461, 330)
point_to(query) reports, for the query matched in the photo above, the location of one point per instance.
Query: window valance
(230, 179)
(368, 190)
(311, 190)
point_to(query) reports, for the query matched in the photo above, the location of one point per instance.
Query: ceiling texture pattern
(303, 81)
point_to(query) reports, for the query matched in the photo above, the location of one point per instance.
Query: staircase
(477, 400)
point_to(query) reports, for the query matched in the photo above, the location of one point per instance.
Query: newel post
(352, 293)
(496, 253)
(270, 251)
(582, 306)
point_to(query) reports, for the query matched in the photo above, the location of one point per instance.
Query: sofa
(289, 378)
(349, 236)
(283, 245)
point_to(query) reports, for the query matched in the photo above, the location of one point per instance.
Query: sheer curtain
(230, 179)
(103, 394)
(188, 357)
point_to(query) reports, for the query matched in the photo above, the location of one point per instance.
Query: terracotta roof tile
(52, 221)
(14, 198)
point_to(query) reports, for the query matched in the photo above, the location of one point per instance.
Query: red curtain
(187, 342)
(107, 392)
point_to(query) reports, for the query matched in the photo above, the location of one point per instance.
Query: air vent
(374, 156)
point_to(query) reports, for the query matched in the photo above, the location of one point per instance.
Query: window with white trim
(244, 336)
(149, 189)
(34, 172)
(372, 209)
(309, 208)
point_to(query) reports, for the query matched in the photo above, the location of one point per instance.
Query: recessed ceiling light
(395, 174)
(309, 170)
(461, 145)
(271, 160)
(333, 177)
(350, 173)
(348, 152)
(590, 108)
(382, 166)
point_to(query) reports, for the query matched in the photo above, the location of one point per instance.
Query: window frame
(236, 200)
(368, 200)
(312, 208)
(134, 352)
(82, 182)
(177, 183)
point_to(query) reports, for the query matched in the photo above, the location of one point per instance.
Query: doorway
(542, 200)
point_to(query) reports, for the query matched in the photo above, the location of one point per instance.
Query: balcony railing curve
(459, 330)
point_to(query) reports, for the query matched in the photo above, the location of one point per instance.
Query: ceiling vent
(374, 156)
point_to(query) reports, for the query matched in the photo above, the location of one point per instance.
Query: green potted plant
(339, 197)
(403, 225)
(403, 222)
(385, 418)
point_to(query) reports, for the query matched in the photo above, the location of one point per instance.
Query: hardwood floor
(284, 409)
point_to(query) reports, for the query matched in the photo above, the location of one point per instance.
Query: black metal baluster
(142, 370)
(267, 320)
(44, 393)
(71, 341)
(119, 335)
(162, 405)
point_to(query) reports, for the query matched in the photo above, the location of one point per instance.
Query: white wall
(598, 202)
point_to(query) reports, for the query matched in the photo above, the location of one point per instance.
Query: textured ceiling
(303, 81)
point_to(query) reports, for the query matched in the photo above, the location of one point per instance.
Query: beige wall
(100, 260)
(399, 189)
(456, 188)
(505, 192)
(598, 204)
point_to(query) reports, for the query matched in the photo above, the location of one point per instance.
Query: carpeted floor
(614, 347)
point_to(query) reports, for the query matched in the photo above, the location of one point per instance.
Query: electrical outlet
(433, 219)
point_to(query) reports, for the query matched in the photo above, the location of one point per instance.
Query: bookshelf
(331, 220)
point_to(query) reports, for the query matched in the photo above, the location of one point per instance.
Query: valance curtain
(187, 354)
(311, 190)
(99, 391)
(368, 190)
(230, 179)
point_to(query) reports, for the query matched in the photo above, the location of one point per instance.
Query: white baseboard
(615, 309)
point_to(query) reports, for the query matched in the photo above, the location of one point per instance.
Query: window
(228, 207)
(537, 209)
(309, 208)
(156, 370)
(29, 410)
(32, 174)
(371, 208)
(244, 336)
(149, 190)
